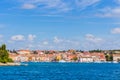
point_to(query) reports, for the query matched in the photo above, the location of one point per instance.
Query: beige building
(116, 57)
(85, 57)
(23, 51)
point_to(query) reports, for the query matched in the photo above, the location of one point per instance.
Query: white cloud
(31, 37)
(45, 43)
(92, 38)
(58, 5)
(28, 6)
(115, 31)
(63, 44)
(18, 38)
(59, 44)
(30, 46)
(57, 40)
(65, 41)
(52, 7)
(110, 12)
(72, 42)
(86, 3)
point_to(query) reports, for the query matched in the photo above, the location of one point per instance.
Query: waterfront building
(13, 56)
(98, 57)
(40, 56)
(85, 57)
(116, 57)
(23, 51)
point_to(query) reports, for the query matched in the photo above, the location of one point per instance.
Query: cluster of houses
(55, 56)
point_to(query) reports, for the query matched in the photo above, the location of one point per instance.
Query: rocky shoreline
(10, 64)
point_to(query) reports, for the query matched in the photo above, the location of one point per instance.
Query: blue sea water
(61, 71)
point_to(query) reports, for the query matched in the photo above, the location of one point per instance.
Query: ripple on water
(61, 71)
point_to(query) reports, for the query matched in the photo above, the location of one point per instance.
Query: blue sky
(60, 24)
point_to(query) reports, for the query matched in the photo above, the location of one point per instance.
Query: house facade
(116, 57)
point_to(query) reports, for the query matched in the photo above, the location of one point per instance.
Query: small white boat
(62, 61)
(115, 62)
(23, 64)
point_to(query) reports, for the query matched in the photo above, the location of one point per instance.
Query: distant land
(65, 55)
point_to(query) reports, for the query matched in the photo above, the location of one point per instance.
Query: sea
(61, 71)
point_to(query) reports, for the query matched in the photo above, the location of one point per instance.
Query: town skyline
(60, 24)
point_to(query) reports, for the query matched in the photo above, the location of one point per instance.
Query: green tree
(109, 57)
(3, 47)
(75, 58)
(4, 56)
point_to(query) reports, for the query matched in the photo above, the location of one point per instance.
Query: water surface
(61, 71)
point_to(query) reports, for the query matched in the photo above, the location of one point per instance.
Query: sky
(60, 24)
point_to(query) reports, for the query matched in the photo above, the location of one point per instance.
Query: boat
(62, 61)
(115, 62)
(23, 64)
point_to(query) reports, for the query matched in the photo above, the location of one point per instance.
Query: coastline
(10, 64)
